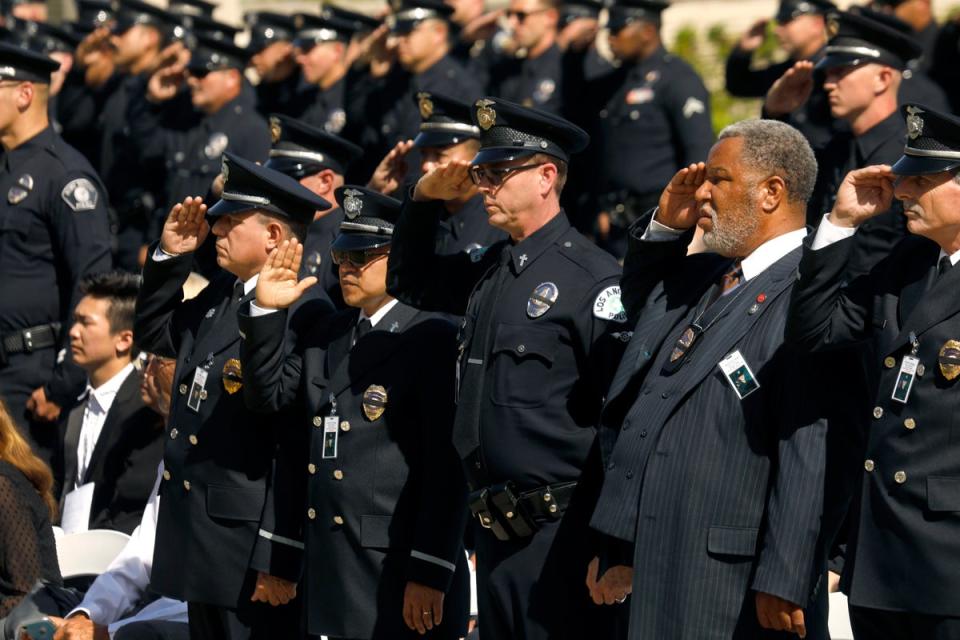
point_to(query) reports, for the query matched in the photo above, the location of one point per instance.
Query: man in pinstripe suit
(713, 452)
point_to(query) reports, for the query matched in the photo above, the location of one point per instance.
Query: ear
(26, 93)
(276, 234)
(123, 341)
(773, 191)
(883, 79)
(327, 180)
(548, 178)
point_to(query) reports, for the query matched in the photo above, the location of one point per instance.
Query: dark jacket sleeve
(157, 324)
(743, 81)
(645, 265)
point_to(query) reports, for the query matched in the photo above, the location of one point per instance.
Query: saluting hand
(791, 90)
(779, 614)
(186, 227)
(273, 590)
(422, 607)
(678, 202)
(389, 174)
(166, 81)
(448, 181)
(863, 194)
(278, 287)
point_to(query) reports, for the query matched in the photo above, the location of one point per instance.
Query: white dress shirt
(829, 233)
(98, 404)
(379, 314)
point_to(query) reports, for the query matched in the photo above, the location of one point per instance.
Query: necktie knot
(363, 328)
(731, 279)
(945, 265)
(237, 291)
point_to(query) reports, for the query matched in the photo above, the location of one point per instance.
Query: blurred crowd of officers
(447, 279)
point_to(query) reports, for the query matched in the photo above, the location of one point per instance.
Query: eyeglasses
(358, 258)
(523, 15)
(495, 177)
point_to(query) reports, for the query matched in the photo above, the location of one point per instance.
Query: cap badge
(542, 299)
(914, 123)
(352, 204)
(949, 359)
(426, 105)
(275, 130)
(833, 27)
(225, 169)
(486, 116)
(374, 402)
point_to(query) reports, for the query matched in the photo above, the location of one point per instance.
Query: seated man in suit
(712, 448)
(113, 441)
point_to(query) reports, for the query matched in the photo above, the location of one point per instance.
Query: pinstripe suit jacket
(718, 496)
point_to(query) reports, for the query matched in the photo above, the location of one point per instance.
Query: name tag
(197, 388)
(905, 378)
(331, 432)
(737, 372)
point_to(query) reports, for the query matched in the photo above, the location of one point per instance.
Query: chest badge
(639, 95)
(336, 121)
(232, 376)
(216, 145)
(544, 296)
(949, 359)
(374, 402)
(16, 195)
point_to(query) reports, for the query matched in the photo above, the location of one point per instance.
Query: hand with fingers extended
(186, 227)
(863, 194)
(448, 181)
(389, 174)
(165, 82)
(612, 587)
(277, 286)
(273, 590)
(791, 90)
(780, 615)
(678, 208)
(753, 38)
(97, 41)
(422, 607)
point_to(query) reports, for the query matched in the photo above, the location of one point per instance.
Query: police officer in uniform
(386, 499)
(55, 231)
(319, 161)
(272, 57)
(321, 51)
(906, 530)
(224, 542)
(536, 307)
(654, 118)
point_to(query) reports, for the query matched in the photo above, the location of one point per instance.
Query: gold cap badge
(914, 123)
(426, 105)
(486, 116)
(275, 129)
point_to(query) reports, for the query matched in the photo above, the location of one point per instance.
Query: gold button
(193, 439)
(345, 426)
(869, 465)
(338, 474)
(203, 394)
(317, 421)
(183, 389)
(174, 433)
(878, 412)
(921, 370)
(166, 474)
(910, 423)
(186, 485)
(900, 477)
(890, 362)
(311, 468)
(337, 520)
(312, 513)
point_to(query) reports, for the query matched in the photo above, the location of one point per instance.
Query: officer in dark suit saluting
(536, 308)
(219, 531)
(899, 572)
(53, 232)
(386, 500)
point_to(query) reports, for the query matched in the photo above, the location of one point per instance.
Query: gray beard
(728, 238)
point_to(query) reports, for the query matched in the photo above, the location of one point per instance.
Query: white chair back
(88, 553)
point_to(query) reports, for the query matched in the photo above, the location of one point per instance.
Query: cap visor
(438, 139)
(296, 169)
(358, 241)
(226, 207)
(502, 154)
(919, 166)
(838, 60)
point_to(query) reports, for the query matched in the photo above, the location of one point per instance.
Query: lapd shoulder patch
(80, 195)
(692, 107)
(607, 306)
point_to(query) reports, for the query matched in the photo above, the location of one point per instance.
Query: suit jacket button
(166, 474)
(174, 433)
(312, 513)
(186, 485)
(317, 421)
(900, 477)
(193, 439)
(311, 468)
(337, 520)
(910, 423)
(878, 412)
(869, 465)
(344, 426)
(183, 389)
(890, 362)
(338, 475)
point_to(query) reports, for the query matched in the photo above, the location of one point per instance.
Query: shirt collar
(529, 249)
(877, 135)
(105, 393)
(380, 313)
(27, 148)
(771, 251)
(954, 257)
(250, 284)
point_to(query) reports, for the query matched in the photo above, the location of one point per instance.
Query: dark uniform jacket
(717, 495)
(327, 108)
(317, 260)
(218, 461)
(390, 507)
(123, 466)
(908, 526)
(466, 230)
(532, 82)
(53, 232)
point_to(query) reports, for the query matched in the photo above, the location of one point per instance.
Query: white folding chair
(88, 553)
(839, 620)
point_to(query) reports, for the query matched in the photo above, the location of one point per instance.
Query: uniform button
(174, 433)
(900, 477)
(345, 426)
(568, 244)
(611, 465)
(629, 475)
(311, 468)
(317, 421)
(193, 439)
(889, 362)
(626, 425)
(312, 513)
(643, 434)
(910, 423)
(166, 474)
(521, 348)
(921, 370)
(186, 485)
(869, 465)
(878, 412)
(665, 395)
(183, 389)
(203, 394)
(337, 520)
(338, 475)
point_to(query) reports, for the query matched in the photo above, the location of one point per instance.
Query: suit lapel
(938, 303)
(71, 441)
(112, 424)
(219, 328)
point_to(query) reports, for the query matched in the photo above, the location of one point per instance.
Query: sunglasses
(522, 15)
(481, 174)
(359, 257)
(199, 74)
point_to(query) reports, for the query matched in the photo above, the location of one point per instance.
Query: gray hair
(775, 148)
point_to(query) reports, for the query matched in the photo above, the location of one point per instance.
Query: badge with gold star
(949, 359)
(275, 129)
(374, 402)
(426, 105)
(833, 27)
(486, 116)
(232, 376)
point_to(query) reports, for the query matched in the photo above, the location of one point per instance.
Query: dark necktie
(945, 265)
(362, 329)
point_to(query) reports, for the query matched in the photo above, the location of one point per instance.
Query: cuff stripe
(449, 566)
(272, 537)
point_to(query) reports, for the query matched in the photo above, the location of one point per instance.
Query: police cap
(570, 11)
(445, 121)
(47, 38)
(933, 142)
(856, 39)
(129, 13)
(509, 131)
(17, 63)
(625, 12)
(313, 30)
(359, 21)
(94, 13)
(408, 14)
(790, 9)
(248, 186)
(207, 27)
(211, 54)
(191, 7)
(368, 218)
(266, 28)
(301, 150)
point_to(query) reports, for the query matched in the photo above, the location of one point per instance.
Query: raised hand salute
(278, 287)
(186, 227)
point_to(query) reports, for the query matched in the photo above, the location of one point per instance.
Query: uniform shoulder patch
(80, 195)
(607, 305)
(692, 107)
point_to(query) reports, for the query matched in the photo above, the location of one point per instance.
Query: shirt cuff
(159, 255)
(829, 233)
(256, 312)
(657, 232)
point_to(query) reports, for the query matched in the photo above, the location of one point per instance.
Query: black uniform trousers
(251, 621)
(877, 624)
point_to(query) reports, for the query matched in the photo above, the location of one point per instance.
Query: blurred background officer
(216, 509)
(919, 15)
(896, 574)
(654, 118)
(319, 161)
(447, 133)
(801, 31)
(272, 58)
(386, 499)
(55, 232)
(321, 51)
(536, 307)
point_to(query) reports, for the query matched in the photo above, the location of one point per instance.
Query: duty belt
(625, 207)
(28, 340)
(513, 515)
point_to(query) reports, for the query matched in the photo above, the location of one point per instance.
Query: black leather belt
(28, 340)
(513, 515)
